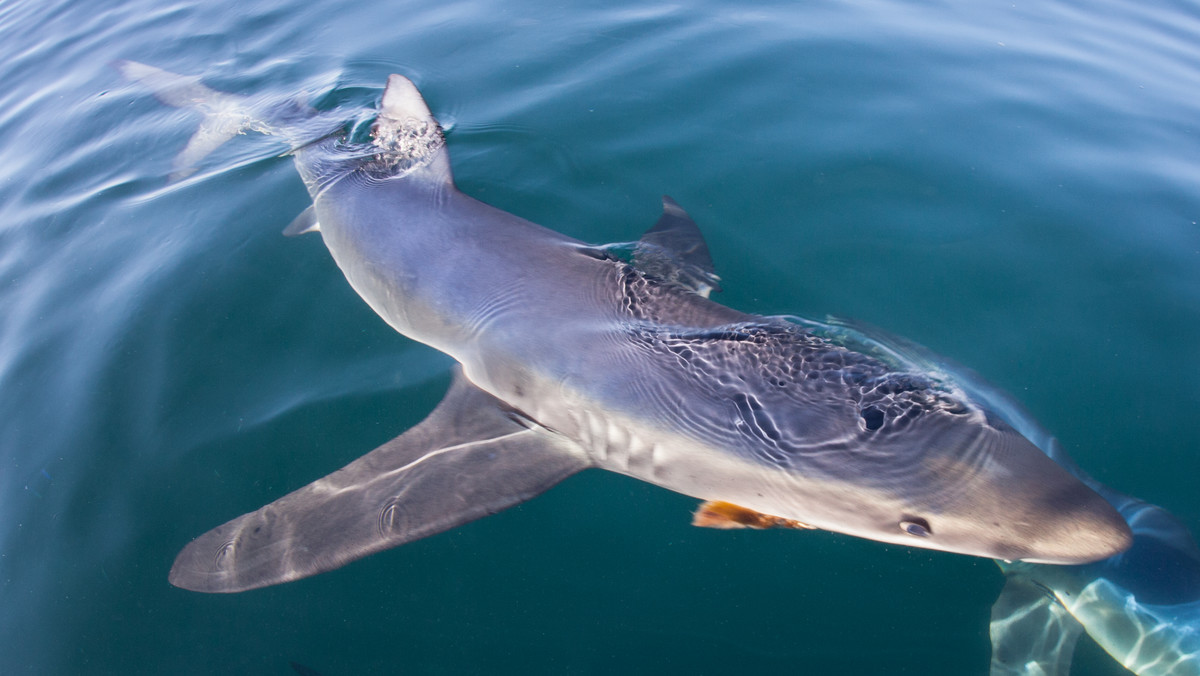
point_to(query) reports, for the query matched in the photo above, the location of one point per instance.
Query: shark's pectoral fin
(1032, 634)
(304, 223)
(471, 457)
(678, 233)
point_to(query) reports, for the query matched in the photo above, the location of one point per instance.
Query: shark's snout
(1063, 522)
(1021, 505)
(977, 486)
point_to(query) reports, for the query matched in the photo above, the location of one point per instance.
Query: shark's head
(985, 489)
(955, 479)
(845, 441)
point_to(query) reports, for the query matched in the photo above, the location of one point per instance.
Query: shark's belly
(606, 400)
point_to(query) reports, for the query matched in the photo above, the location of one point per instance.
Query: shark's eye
(915, 525)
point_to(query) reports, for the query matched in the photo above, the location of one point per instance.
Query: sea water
(1014, 185)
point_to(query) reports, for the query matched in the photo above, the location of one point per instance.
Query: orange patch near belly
(725, 515)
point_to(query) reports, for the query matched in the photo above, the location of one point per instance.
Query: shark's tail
(225, 115)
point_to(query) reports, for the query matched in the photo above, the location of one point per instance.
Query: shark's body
(576, 356)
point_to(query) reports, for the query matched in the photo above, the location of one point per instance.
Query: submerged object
(1141, 606)
(575, 356)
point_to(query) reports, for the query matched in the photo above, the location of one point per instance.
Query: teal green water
(1015, 186)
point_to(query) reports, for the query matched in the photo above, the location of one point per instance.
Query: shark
(574, 356)
(1142, 606)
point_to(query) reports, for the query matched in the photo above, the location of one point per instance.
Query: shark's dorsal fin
(408, 137)
(677, 233)
(726, 515)
(673, 250)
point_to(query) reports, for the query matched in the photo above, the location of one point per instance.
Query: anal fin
(470, 458)
(726, 515)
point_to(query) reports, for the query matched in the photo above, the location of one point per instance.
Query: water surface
(1015, 186)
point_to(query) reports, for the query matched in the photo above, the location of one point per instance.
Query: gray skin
(575, 356)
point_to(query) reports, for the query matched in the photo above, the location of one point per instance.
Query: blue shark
(576, 356)
(1142, 606)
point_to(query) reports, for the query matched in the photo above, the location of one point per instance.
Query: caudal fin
(225, 115)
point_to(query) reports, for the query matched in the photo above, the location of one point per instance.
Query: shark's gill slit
(224, 555)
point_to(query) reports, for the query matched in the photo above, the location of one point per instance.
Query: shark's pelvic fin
(726, 515)
(470, 458)
(1032, 634)
(304, 223)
